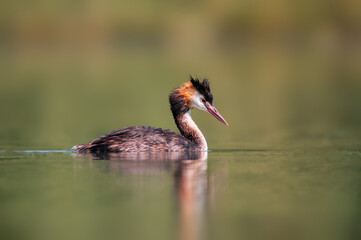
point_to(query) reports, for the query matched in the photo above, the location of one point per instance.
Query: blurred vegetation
(281, 71)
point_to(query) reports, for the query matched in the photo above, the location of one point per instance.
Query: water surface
(309, 193)
(285, 76)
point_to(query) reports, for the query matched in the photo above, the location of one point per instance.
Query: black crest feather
(203, 88)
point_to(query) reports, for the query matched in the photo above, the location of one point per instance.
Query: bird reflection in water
(189, 169)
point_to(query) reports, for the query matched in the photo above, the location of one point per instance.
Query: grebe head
(194, 94)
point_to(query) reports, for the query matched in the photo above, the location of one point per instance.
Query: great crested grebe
(148, 139)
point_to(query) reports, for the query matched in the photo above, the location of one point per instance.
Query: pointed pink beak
(212, 110)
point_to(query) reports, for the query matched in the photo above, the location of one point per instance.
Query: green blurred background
(286, 75)
(280, 71)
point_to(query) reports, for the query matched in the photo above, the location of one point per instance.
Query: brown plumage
(141, 139)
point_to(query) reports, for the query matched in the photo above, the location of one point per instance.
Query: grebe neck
(189, 129)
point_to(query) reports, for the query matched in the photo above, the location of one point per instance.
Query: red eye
(203, 100)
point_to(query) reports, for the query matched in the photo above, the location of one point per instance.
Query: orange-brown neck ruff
(186, 92)
(180, 99)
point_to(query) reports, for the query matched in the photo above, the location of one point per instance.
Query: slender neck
(189, 129)
(182, 117)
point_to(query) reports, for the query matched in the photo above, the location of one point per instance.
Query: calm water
(299, 193)
(285, 76)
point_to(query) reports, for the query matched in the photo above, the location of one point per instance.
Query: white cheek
(197, 102)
